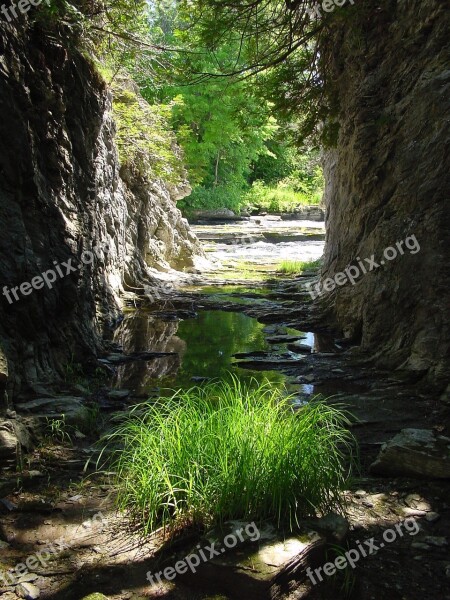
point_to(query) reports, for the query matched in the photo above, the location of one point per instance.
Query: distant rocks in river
(300, 213)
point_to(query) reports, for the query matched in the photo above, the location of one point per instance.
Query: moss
(145, 141)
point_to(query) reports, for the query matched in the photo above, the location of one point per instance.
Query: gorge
(102, 170)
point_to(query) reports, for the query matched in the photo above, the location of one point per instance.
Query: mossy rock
(95, 596)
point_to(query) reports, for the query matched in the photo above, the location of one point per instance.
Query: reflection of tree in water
(139, 332)
(205, 348)
(212, 340)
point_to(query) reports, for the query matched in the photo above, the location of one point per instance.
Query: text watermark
(195, 559)
(352, 273)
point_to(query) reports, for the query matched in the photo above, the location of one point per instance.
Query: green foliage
(276, 199)
(203, 198)
(281, 49)
(145, 141)
(230, 450)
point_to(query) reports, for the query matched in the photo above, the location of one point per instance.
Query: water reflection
(204, 346)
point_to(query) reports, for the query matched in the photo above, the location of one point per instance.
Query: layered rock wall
(62, 194)
(388, 180)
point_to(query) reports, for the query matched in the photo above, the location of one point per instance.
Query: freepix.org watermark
(43, 557)
(195, 559)
(23, 6)
(49, 277)
(352, 273)
(328, 6)
(352, 556)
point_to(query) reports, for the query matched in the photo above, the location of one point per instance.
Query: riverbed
(204, 343)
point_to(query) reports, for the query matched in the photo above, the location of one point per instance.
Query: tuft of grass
(297, 267)
(229, 450)
(58, 430)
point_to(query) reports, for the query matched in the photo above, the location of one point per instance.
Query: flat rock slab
(121, 359)
(416, 452)
(300, 348)
(71, 407)
(285, 339)
(266, 568)
(267, 365)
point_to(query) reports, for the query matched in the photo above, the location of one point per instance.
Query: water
(204, 345)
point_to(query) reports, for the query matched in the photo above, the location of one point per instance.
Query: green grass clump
(230, 450)
(296, 267)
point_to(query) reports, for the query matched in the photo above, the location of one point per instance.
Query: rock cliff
(388, 180)
(64, 197)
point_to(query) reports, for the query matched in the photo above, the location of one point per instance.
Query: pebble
(415, 501)
(432, 517)
(440, 542)
(413, 512)
(27, 591)
(3, 545)
(28, 577)
(35, 474)
(360, 493)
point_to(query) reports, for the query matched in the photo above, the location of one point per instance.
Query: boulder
(212, 215)
(415, 452)
(70, 406)
(28, 591)
(267, 567)
(14, 437)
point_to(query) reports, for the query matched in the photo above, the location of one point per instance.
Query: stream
(205, 344)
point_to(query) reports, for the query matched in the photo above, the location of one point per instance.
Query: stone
(334, 526)
(413, 512)
(415, 452)
(72, 407)
(14, 439)
(213, 215)
(7, 505)
(28, 578)
(445, 397)
(432, 517)
(95, 596)
(438, 541)
(420, 546)
(299, 347)
(417, 502)
(269, 566)
(8, 443)
(118, 394)
(28, 591)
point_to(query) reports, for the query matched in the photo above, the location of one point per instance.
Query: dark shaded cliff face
(61, 194)
(389, 180)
